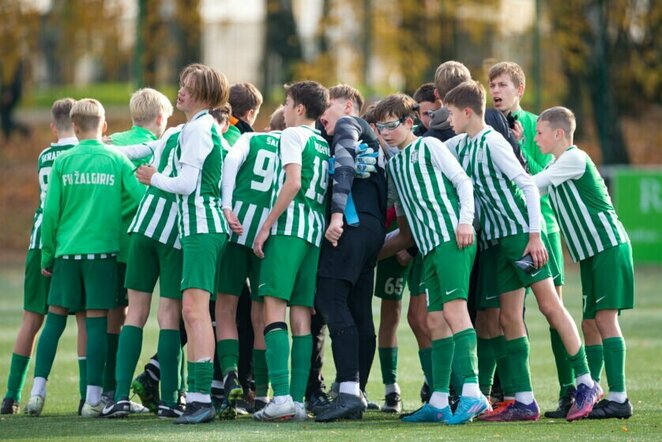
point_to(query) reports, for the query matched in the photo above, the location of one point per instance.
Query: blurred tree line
(607, 52)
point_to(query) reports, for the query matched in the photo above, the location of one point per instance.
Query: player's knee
(275, 326)
(510, 318)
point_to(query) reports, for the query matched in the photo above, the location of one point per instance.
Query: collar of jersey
(147, 133)
(91, 143)
(67, 141)
(200, 114)
(315, 131)
(487, 129)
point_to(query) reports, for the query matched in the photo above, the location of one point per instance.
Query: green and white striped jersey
(500, 202)
(44, 166)
(426, 175)
(200, 146)
(305, 216)
(248, 177)
(582, 204)
(156, 216)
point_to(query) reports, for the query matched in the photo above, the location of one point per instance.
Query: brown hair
(221, 114)
(469, 94)
(87, 114)
(60, 113)
(448, 75)
(207, 84)
(244, 97)
(512, 69)
(312, 95)
(397, 105)
(560, 117)
(277, 120)
(425, 93)
(369, 114)
(348, 93)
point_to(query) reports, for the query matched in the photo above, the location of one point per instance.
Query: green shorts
(608, 280)
(238, 263)
(390, 282)
(487, 295)
(446, 272)
(509, 276)
(201, 257)
(122, 297)
(289, 270)
(149, 260)
(36, 285)
(84, 284)
(556, 259)
(415, 280)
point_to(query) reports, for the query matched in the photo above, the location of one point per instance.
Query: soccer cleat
(232, 388)
(121, 408)
(9, 406)
(497, 409)
(345, 406)
(90, 410)
(167, 412)
(196, 413)
(565, 402)
(80, 406)
(317, 401)
(259, 404)
(300, 415)
(585, 398)
(467, 409)
(606, 409)
(147, 390)
(35, 405)
(274, 412)
(392, 403)
(425, 392)
(369, 404)
(514, 412)
(226, 411)
(428, 413)
(137, 408)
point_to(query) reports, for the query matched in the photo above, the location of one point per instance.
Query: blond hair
(207, 85)
(347, 92)
(560, 117)
(60, 114)
(448, 75)
(147, 104)
(510, 68)
(88, 114)
(277, 119)
(469, 94)
(397, 105)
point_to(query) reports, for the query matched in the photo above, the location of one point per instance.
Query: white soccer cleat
(35, 406)
(300, 414)
(277, 412)
(90, 410)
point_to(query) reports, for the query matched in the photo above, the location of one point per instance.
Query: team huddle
(330, 205)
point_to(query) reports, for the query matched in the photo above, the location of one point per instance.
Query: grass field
(642, 328)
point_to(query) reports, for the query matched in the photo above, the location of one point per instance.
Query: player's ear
(104, 127)
(53, 128)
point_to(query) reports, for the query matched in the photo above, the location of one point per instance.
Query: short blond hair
(469, 94)
(88, 114)
(347, 92)
(147, 104)
(448, 75)
(510, 68)
(277, 119)
(60, 113)
(207, 84)
(560, 117)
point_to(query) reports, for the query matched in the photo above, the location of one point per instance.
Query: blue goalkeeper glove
(365, 162)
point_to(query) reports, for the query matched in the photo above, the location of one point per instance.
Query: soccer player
(509, 211)
(345, 277)
(596, 238)
(296, 225)
(35, 294)
(87, 192)
(203, 230)
(428, 103)
(507, 84)
(436, 208)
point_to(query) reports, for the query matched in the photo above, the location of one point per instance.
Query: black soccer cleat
(565, 402)
(167, 412)
(425, 393)
(147, 390)
(317, 402)
(196, 413)
(345, 406)
(392, 403)
(9, 406)
(121, 408)
(606, 409)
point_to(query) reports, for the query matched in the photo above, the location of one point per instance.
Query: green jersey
(248, 177)
(44, 165)
(305, 216)
(232, 135)
(501, 204)
(135, 135)
(425, 175)
(580, 199)
(156, 216)
(200, 146)
(84, 201)
(536, 161)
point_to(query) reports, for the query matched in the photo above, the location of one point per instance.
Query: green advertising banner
(637, 195)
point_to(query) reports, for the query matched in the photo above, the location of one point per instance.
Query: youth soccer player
(80, 237)
(436, 208)
(296, 225)
(197, 162)
(509, 211)
(596, 239)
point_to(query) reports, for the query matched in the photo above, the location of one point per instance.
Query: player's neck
(61, 135)
(514, 108)
(408, 141)
(194, 111)
(561, 147)
(475, 126)
(302, 121)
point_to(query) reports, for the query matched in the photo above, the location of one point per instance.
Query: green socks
(169, 353)
(564, 370)
(190, 377)
(518, 352)
(278, 358)
(596, 360)
(109, 382)
(441, 360)
(614, 349)
(228, 354)
(425, 357)
(130, 344)
(486, 364)
(388, 359)
(302, 349)
(203, 372)
(47, 346)
(96, 349)
(465, 355)
(579, 363)
(17, 373)
(503, 365)
(82, 376)
(260, 373)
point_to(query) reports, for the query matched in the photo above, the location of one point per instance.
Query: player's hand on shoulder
(464, 235)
